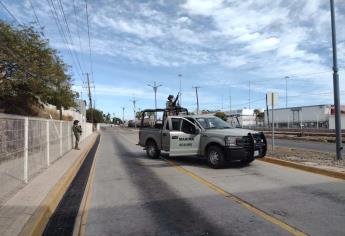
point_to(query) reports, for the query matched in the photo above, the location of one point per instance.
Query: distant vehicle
(199, 135)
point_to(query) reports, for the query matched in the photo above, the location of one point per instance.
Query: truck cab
(181, 134)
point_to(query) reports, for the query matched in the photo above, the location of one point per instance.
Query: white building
(246, 117)
(316, 116)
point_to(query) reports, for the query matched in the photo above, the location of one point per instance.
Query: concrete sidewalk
(21, 211)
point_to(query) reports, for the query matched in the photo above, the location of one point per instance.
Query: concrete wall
(332, 122)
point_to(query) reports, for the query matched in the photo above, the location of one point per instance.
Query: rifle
(176, 99)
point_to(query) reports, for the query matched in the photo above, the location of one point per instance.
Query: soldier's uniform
(77, 132)
(170, 105)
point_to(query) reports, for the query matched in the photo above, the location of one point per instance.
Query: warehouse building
(242, 117)
(316, 116)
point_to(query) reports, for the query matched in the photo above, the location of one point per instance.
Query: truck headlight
(230, 141)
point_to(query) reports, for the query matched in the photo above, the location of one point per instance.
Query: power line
(35, 14)
(63, 35)
(69, 34)
(10, 13)
(78, 31)
(295, 76)
(88, 35)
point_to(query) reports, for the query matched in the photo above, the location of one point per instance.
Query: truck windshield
(213, 123)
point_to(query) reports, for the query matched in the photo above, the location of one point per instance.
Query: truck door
(184, 140)
(166, 135)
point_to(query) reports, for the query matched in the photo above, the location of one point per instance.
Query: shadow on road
(174, 217)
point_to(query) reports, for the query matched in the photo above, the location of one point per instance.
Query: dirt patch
(304, 138)
(307, 157)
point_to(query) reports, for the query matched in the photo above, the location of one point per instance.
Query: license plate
(256, 153)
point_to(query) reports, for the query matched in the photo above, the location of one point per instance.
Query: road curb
(312, 169)
(38, 221)
(81, 220)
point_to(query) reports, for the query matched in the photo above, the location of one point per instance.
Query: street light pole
(155, 87)
(286, 91)
(180, 98)
(123, 115)
(230, 101)
(336, 85)
(197, 99)
(134, 110)
(249, 94)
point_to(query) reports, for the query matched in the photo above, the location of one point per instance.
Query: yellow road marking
(247, 205)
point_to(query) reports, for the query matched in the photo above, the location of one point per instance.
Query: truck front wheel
(152, 150)
(215, 157)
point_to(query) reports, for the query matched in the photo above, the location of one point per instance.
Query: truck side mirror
(197, 131)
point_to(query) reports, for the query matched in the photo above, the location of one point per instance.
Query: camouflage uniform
(77, 132)
(170, 105)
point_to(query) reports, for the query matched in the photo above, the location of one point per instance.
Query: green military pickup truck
(198, 135)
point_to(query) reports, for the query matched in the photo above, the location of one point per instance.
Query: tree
(138, 115)
(117, 120)
(258, 114)
(31, 73)
(221, 115)
(97, 115)
(107, 118)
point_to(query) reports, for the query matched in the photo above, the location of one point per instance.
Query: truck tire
(215, 157)
(152, 150)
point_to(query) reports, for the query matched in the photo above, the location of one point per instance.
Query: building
(245, 117)
(315, 116)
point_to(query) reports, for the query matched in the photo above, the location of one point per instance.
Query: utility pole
(155, 87)
(230, 101)
(134, 101)
(123, 115)
(336, 86)
(286, 91)
(272, 99)
(222, 102)
(249, 94)
(197, 99)
(180, 98)
(90, 97)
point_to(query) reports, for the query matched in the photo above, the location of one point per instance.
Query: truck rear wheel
(152, 150)
(215, 157)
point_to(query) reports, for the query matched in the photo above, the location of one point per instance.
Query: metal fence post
(60, 138)
(68, 136)
(26, 148)
(47, 140)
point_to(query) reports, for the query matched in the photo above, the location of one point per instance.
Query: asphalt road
(314, 146)
(134, 195)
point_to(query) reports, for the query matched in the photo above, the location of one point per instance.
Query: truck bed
(150, 133)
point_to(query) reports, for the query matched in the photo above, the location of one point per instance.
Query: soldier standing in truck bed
(170, 104)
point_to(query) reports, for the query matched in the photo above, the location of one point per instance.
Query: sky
(230, 48)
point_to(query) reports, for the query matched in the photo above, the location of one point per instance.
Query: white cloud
(131, 26)
(263, 45)
(266, 38)
(202, 7)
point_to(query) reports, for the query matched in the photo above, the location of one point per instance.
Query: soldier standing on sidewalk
(77, 132)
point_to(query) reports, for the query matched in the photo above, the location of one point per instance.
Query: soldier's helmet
(170, 97)
(75, 122)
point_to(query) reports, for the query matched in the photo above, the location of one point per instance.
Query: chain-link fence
(28, 145)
